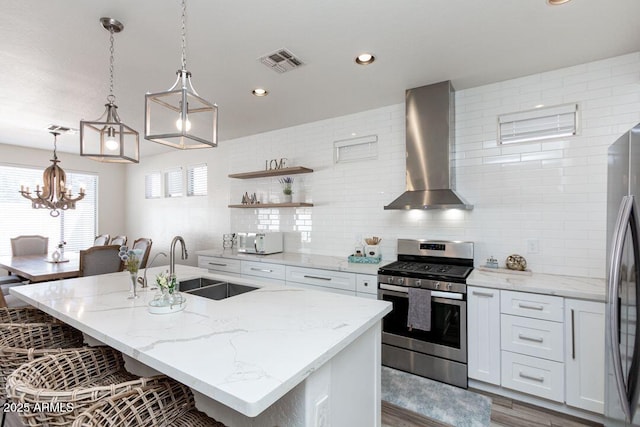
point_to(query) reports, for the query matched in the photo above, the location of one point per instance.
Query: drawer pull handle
(528, 338)
(531, 377)
(531, 306)
(264, 270)
(483, 294)
(316, 277)
(218, 264)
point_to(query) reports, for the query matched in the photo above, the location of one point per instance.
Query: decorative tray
(364, 259)
(163, 307)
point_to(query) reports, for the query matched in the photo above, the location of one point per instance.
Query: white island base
(273, 357)
(345, 391)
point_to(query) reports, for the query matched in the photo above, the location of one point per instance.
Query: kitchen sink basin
(219, 290)
(199, 282)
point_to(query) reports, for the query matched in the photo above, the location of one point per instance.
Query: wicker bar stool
(27, 314)
(23, 342)
(53, 390)
(168, 403)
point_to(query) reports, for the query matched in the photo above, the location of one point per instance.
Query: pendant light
(179, 117)
(54, 194)
(107, 139)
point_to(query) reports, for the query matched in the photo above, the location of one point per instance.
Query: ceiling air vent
(281, 61)
(62, 129)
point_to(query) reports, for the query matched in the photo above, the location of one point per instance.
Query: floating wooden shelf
(273, 172)
(272, 205)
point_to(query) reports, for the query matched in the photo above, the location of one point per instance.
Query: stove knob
(419, 283)
(401, 281)
(448, 286)
(437, 285)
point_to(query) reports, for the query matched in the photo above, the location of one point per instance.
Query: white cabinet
(342, 282)
(531, 339)
(217, 264)
(483, 320)
(584, 329)
(263, 270)
(367, 286)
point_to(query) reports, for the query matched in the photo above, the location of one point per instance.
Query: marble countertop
(245, 352)
(538, 283)
(323, 262)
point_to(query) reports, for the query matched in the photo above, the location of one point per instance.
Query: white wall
(111, 184)
(553, 192)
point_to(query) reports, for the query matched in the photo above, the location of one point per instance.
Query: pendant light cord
(184, 35)
(111, 98)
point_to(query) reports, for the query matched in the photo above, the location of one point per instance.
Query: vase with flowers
(287, 183)
(131, 259)
(168, 286)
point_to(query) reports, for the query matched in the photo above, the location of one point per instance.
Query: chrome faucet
(143, 280)
(172, 254)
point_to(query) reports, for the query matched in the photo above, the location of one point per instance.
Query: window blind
(173, 183)
(153, 185)
(76, 227)
(538, 124)
(197, 180)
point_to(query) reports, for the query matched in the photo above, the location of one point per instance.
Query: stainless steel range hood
(430, 118)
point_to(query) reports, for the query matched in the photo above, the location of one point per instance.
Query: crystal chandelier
(107, 139)
(54, 194)
(179, 117)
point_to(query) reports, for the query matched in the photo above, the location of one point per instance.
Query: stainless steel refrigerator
(622, 358)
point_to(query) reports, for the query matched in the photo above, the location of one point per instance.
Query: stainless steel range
(438, 351)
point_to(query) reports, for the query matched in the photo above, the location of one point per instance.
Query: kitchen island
(274, 356)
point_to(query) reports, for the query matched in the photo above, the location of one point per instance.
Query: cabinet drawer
(324, 278)
(367, 284)
(533, 337)
(545, 307)
(219, 264)
(263, 269)
(531, 375)
(322, 289)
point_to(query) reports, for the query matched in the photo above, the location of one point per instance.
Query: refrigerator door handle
(624, 216)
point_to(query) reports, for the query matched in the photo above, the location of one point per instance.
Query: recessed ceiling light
(260, 92)
(365, 59)
(557, 2)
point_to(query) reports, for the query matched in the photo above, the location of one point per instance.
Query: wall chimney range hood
(430, 123)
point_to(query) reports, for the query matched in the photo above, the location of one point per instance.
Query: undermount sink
(214, 289)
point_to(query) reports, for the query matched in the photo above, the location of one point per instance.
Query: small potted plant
(287, 182)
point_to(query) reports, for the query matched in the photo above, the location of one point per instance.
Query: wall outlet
(322, 412)
(533, 246)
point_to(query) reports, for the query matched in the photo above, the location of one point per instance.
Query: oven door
(448, 335)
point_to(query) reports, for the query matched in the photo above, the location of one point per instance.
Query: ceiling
(56, 55)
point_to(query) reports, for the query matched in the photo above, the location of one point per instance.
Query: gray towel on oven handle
(419, 316)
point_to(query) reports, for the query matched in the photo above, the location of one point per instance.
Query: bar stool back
(23, 342)
(55, 389)
(168, 403)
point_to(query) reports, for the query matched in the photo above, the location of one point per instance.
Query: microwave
(260, 243)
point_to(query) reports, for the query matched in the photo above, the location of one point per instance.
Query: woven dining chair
(168, 403)
(24, 342)
(53, 390)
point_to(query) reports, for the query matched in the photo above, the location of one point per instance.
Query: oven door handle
(434, 294)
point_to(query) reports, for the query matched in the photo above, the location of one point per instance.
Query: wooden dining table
(41, 268)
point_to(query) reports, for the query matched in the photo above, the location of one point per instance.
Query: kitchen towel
(419, 316)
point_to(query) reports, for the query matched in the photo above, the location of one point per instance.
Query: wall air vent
(62, 129)
(281, 61)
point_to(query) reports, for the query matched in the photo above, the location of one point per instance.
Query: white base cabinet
(584, 347)
(483, 332)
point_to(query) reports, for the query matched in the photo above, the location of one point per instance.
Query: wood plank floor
(505, 412)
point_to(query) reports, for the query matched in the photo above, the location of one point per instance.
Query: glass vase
(134, 280)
